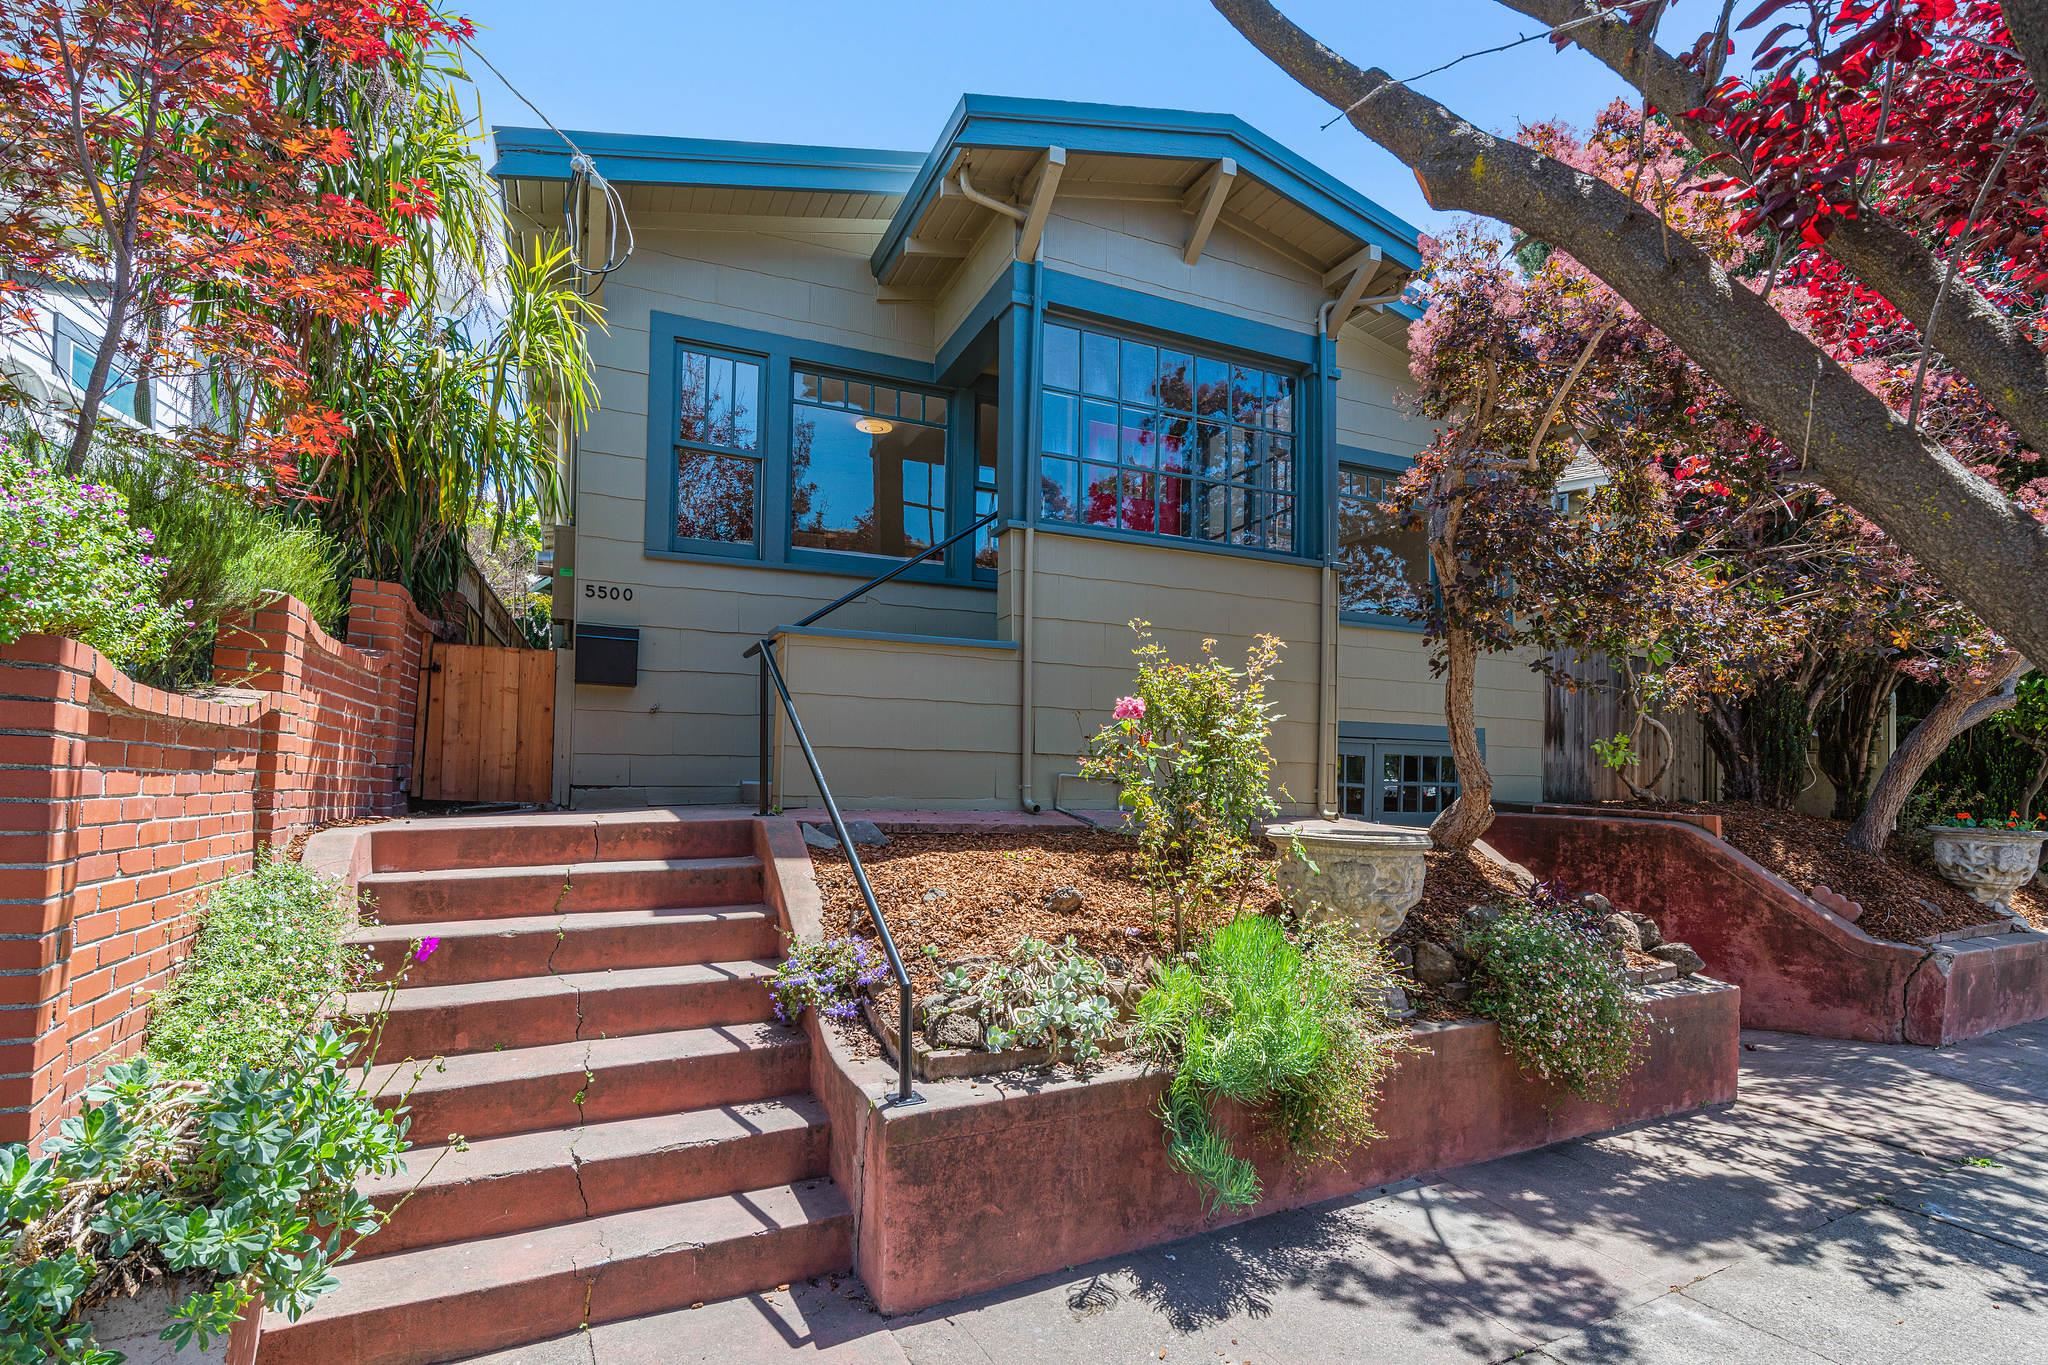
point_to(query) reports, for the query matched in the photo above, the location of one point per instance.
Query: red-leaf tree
(153, 165)
(1941, 223)
(1706, 568)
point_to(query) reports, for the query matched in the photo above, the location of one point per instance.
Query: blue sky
(886, 75)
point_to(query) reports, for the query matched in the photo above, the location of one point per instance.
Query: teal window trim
(779, 356)
(1377, 462)
(1373, 742)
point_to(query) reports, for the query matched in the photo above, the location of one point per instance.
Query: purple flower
(426, 949)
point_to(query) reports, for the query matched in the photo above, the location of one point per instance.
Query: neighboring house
(50, 358)
(1162, 348)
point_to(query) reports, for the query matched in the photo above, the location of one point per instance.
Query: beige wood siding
(902, 723)
(1383, 676)
(1138, 245)
(1370, 414)
(1086, 591)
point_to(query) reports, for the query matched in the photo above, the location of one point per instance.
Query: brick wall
(119, 801)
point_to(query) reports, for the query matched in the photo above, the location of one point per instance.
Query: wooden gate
(487, 731)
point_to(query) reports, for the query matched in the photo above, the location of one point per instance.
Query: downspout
(1027, 719)
(1327, 708)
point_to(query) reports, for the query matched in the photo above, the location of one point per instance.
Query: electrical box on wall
(607, 656)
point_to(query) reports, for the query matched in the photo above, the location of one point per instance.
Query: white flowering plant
(1548, 979)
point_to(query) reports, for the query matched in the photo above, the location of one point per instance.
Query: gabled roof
(1182, 138)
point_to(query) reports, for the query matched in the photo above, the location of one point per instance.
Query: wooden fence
(1598, 709)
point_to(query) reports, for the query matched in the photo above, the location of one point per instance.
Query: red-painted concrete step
(537, 945)
(569, 838)
(442, 1303)
(561, 888)
(511, 1184)
(524, 1090)
(529, 1011)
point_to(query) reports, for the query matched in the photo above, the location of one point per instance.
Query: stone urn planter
(1367, 875)
(1988, 864)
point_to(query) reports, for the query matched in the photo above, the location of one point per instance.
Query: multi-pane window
(1167, 441)
(1397, 784)
(985, 436)
(867, 466)
(718, 446)
(1379, 564)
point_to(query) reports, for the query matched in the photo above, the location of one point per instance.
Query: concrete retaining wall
(1802, 968)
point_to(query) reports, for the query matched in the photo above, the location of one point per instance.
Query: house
(1162, 350)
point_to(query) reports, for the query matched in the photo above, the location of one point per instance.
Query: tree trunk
(1848, 732)
(1963, 705)
(1741, 773)
(2033, 791)
(1471, 815)
(1957, 524)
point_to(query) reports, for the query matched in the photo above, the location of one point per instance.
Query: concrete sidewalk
(1860, 1204)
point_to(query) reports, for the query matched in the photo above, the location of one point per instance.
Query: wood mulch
(1903, 898)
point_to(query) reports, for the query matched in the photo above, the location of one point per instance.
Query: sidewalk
(1861, 1204)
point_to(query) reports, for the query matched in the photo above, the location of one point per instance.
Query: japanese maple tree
(156, 164)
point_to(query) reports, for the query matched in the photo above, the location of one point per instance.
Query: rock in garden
(1397, 1003)
(1681, 956)
(1114, 967)
(1596, 903)
(1458, 992)
(1646, 928)
(864, 833)
(1065, 900)
(1477, 917)
(955, 1030)
(1404, 957)
(929, 1006)
(1434, 965)
(1621, 931)
(934, 895)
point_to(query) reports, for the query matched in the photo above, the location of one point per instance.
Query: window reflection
(867, 467)
(1381, 567)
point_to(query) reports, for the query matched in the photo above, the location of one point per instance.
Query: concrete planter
(1366, 875)
(1988, 864)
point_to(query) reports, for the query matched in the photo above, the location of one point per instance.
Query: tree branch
(1983, 343)
(1960, 526)
(2028, 22)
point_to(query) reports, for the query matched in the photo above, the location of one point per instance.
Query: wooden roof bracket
(1204, 199)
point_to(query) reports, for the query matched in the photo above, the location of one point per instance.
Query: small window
(986, 422)
(718, 447)
(76, 352)
(1396, 782)
(867, 467)
(1377, 562)
(1139, 437)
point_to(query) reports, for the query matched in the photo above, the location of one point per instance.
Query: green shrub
(1302, 1036)
(1046, 995)
(72, 563)
(267, 961)
(247, 1181)
(1549, 980)
(1187, 753)
(225, 553)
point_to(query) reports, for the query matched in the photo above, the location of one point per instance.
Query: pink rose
(1129, 708)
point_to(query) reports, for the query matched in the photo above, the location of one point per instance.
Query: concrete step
(529, 1011)
(525, 1090)
(561, 888)
(538, 945)
(511, 1184)
(481, 841)
(442, 1303)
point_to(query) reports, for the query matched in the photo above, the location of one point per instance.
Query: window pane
(1212, 387)
(934, 410)
(715, 497)
(985, 542)
(746, 434)
(1280, 405)
(878, 490)
(1100, 490)
(885, 402)
(690, 396)
(1099, 434)
(1379, 564)
(1280, 530)
(832, 391)
(1098, 364)
(1140, 370)
(717, 400)
(1174, 436)
(1057, 496)
(1062, 357)
(1177, 381)
(1140, 442)
(987, 439)
(1058, 415)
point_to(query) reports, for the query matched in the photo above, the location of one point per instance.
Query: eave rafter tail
(1204, 199)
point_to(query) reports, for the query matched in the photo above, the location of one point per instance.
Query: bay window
(1166, 441)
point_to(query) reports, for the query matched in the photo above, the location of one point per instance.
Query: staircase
(640, 1135)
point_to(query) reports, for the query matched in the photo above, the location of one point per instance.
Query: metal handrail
(904, 1035)
(771, 678)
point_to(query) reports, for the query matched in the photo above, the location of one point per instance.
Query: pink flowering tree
(1187, 752)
